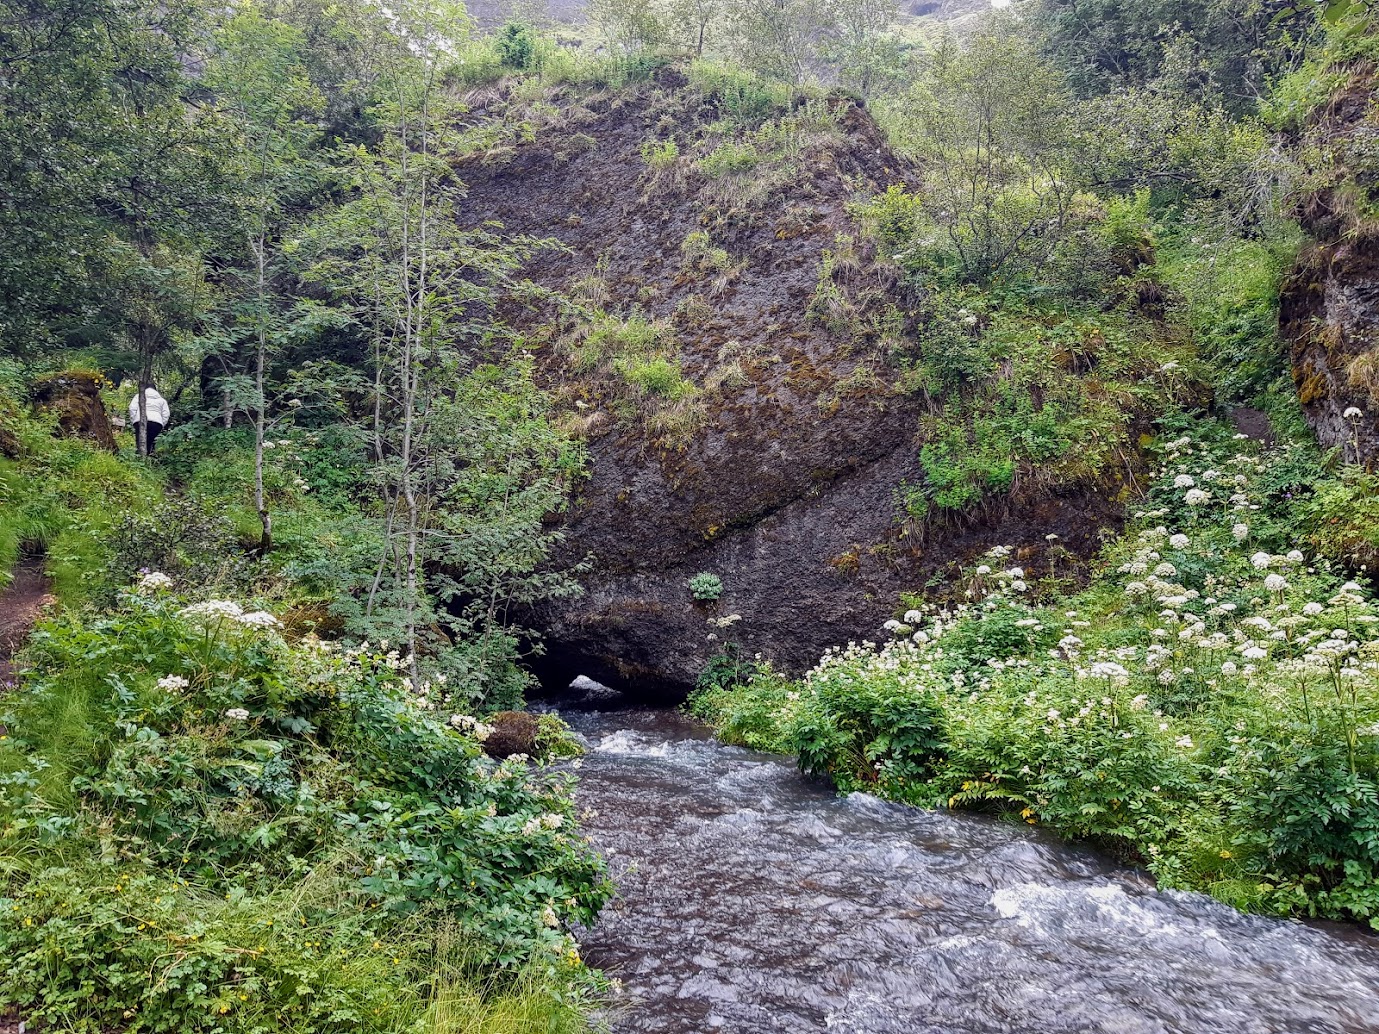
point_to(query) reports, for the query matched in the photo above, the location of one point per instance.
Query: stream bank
(754, 901)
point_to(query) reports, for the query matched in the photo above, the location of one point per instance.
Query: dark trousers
(154, 430)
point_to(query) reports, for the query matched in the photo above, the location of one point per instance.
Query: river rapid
(752, 900)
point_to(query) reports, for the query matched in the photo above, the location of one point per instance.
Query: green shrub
(729, 158)
(660, 154)
(705, 587)
(194, 746)
(656, 376)
(1208, 707)
(516, 46)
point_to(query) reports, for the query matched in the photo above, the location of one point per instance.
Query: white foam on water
(633, 744)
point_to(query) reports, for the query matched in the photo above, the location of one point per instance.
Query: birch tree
(267, 98)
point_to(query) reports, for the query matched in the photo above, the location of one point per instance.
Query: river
(753, 901)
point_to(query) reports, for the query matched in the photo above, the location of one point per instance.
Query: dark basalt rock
(787, 486)
(1329, 310)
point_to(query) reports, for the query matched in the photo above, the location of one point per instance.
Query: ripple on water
(752, 901)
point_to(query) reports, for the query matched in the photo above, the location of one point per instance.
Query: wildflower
(1195, 497)
(172, 683)
(237, 714)
(1178, 541)
(154, 581)
(1183, 481)
(1352, 413)
(913, 617)
(1311, 610)
(1254, 653)
(1275, 583)
(1167, 677)
(212, 610)
(1185, 742)
(1018, 585)
(1295, 556)
(1240, 532)
(983, 569)
(1016, 572)
(1109, 670)
(1260, 561)
(1139, 703)
(257, 619)
(1228, 668)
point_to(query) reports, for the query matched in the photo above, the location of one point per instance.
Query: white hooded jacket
(158, 411)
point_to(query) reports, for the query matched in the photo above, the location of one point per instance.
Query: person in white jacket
(158, 414)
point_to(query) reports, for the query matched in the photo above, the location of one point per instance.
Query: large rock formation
(1330, 310)
(75, 397)
(780, 473)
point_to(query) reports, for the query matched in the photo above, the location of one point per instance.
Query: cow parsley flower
(154, 581)
(213, 610)
(237, 714)
(1275, 583)
(1311, 610)
(257, 619)
(173, 683)
(1195, 497)
(1352, 413)
(1240, 532)
(1183, 481)
(1178, 541)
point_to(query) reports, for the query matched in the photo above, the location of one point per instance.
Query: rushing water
(752, 901)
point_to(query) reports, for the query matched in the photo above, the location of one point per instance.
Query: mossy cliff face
(1330, 310)
(730, 372)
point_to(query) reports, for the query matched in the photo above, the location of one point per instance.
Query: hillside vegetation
(673, 355)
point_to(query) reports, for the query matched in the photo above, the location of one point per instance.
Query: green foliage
(516, 46)
(638, 360)
(167, 758)
(743, 99)
(1207, 707)
(705, 587)
(729, 158)
(660, 155)
(1218, 49)
(65, 499)
(1232, 293)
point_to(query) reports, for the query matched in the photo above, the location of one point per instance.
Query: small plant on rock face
(706, 587)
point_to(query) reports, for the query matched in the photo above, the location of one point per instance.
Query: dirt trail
(20, 607)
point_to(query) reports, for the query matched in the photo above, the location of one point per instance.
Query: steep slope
(731, 370)
(1330, 313)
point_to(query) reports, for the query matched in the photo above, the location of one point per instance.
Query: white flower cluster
(154, 581)
(469, 724)
(537, 823)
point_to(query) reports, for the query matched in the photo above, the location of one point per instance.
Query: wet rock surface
(787, 484)
(1330, 304)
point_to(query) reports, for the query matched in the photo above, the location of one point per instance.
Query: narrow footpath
(21, 604)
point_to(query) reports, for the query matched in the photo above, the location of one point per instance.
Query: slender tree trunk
(141, 428)
(260, 246)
